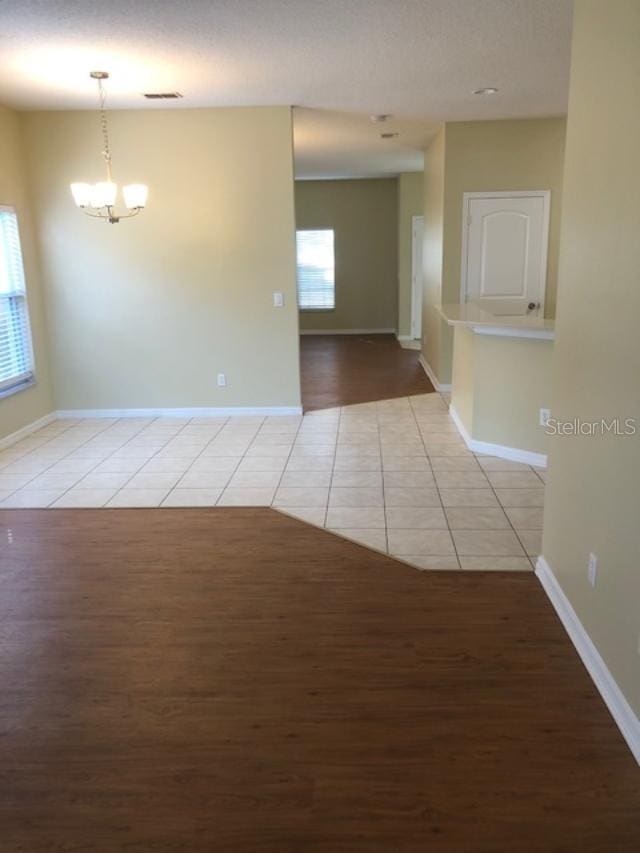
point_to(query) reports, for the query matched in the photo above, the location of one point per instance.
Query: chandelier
(98, 200)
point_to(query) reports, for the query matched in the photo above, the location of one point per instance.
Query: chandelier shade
(103, 194)
(81, 194)
(98, 200)
(135, 196)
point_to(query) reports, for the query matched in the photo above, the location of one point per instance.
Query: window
(316, 270)
(16, 357)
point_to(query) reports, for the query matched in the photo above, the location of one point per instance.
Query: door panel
(506, 253)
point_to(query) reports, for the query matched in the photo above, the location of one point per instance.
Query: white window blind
(16, 357)
(316, 270)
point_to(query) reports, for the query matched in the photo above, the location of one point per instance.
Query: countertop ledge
(511, 326)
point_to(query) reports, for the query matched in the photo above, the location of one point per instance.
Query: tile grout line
(286, 462)
(62, 458)
(66, 456)
(193, 461)
(504, 509)
(333, 468)
(24, 455)
(129, 439)
(506, 514)
(91, 470)
(239, 462)
(135, 473)
(435, 482)
(188, 468)
(384, 497)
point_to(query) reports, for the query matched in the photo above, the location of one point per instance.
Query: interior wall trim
(613, 697)
(514, 454)
(347, 331)
(190, 412)
(442, 387)
(26, 430)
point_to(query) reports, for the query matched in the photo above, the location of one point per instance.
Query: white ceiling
(337, 60)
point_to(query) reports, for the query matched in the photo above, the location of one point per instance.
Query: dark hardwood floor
(338, 370)
(236, 680)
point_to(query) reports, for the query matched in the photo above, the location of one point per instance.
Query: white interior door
(504, 264)
(417, 241)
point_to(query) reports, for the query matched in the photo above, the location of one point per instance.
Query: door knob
(532, 306)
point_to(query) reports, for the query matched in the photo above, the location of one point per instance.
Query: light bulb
(135, 195)
(81, 194)
(103, 194)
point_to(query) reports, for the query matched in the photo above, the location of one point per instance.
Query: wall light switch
(545, 414)
(592, 569)
(278, 300)
(222, 380)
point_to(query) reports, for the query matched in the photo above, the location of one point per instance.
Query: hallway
(341, 370)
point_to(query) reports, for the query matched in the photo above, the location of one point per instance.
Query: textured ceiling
(338, 60)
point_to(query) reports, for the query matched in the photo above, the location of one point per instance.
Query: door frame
(414, 300)
(545, 195)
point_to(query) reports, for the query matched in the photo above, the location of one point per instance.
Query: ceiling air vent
(157, 96)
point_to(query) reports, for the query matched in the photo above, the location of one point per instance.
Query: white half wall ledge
(191, 412)
(503, 332)
(347, 331)
(26, 430)
(513, 454)
(441, 387)
(613, 697)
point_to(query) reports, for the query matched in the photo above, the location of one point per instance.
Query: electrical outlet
(545, 415)
(278, 300)
(592, 569)
(222, 380)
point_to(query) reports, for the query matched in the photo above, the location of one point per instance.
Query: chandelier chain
(105, 130)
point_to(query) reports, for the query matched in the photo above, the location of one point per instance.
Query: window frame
(319, 309)
(20, 297)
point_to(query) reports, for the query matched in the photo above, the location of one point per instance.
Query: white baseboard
(407, 342)
(347, 331)
(192, 412)
(24, 431)
(613, 697)
(441, 387)
(514, 454)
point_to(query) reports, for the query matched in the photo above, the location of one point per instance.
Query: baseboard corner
(502, 451)
(441, 387)
(407, 342)
(26, 430)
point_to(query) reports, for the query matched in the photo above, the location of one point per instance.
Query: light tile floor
(393, 475)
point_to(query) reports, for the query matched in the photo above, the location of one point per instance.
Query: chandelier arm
(94, 215)
(110, 216)
(134, 212)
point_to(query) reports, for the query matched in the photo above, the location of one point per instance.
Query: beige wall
(499, 386)
(24, 407)
(410, 204)
(436, 335)
(463, 376)
(364, 216)
(592, 502)
(488, 155)
(146, 313)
